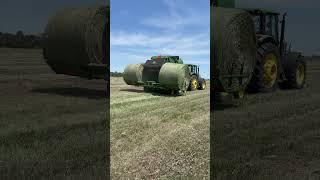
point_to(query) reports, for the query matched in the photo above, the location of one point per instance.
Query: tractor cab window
(191, 68)
(271, 26)
(257, 21)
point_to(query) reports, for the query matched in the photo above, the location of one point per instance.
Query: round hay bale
(233, 48)
(133, 73)
(174, 76)
(77, 37)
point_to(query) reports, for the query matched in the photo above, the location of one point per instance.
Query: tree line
(20, 40)
(116, 74)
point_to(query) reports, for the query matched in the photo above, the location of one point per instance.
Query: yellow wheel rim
(270, 71)
(300, 74)
(194, 84)
(204, 85)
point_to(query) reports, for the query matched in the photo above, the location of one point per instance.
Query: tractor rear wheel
(194, 83)
(266, 72)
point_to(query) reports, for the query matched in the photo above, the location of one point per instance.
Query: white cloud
(178, 17)
(175, 22)
(138, 39)
(163, 43)
(199, 62)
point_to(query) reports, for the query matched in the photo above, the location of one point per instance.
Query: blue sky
(141, 29)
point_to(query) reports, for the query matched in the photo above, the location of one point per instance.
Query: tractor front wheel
(300, 76)
(295, 76)
(202, 85)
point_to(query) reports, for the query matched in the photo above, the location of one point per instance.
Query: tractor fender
(261, 39)
(194, 74)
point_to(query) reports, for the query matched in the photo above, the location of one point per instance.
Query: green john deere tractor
(249, 52)
(196, 82)
(166, 74)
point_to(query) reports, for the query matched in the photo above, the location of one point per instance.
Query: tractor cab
(267, 27)
(266, 22)
(194, 69)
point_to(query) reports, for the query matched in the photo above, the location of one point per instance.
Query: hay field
(156, 136)
(50, 125)
(272, 136)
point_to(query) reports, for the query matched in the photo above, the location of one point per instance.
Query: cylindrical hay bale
(133, 74)
(77, 37)
(174, 76)
(233, 48)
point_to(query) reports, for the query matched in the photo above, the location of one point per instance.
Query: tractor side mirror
(284, 16)
(283, 25)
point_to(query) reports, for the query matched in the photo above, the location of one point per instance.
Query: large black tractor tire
(267, 69)
(194, 84)
(202, 84)
(295, 72)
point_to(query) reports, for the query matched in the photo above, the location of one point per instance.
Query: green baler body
(170, 59)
